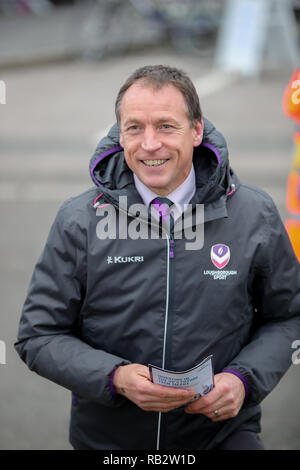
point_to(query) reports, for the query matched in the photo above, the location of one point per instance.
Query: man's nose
(151, 141)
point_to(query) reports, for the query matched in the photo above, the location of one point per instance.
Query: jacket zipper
(168, 322)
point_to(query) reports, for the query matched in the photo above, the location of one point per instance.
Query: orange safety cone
(293, 184)
(291, 97)
(291, 107)
(293, 229)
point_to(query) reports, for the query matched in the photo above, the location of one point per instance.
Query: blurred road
(53, 117)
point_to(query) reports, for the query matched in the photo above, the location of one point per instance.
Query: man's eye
(166, 126)
(134, 127)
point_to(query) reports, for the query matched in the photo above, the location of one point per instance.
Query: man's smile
(152, 163)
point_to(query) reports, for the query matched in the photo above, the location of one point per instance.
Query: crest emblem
(220, 255)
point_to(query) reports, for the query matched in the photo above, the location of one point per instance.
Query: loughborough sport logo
(220, 255)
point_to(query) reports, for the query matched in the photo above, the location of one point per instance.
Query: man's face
(157, 137)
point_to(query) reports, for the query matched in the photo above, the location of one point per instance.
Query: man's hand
(226, 398)
(133, 381)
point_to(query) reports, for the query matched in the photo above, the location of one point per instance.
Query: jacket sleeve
(276, 298)
(49, 331)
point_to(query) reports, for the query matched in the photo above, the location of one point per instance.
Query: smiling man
(158, 137)
(99, 310)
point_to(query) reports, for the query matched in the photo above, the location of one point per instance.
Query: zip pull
(97, 203)
(232, 189)
(172, 255)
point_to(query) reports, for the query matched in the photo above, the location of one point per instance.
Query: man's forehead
(138, 91)
(139, 97)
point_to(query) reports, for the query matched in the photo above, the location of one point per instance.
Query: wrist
(116, 381)
(242, 379)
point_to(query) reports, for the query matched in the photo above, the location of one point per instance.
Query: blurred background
(61, 66)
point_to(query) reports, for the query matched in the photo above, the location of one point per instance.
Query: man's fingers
(171, 394)
(133, 381)
(203, 404)
(153, 397)
(163, 398)
(220, 414)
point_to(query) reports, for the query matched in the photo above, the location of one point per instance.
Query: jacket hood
(214, 178)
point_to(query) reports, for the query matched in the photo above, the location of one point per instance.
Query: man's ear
(198, 128)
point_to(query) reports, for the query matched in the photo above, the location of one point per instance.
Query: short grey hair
(158, 76)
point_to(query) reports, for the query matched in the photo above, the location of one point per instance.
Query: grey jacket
(94, 304)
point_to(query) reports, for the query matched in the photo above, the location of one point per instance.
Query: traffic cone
(291, 107)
